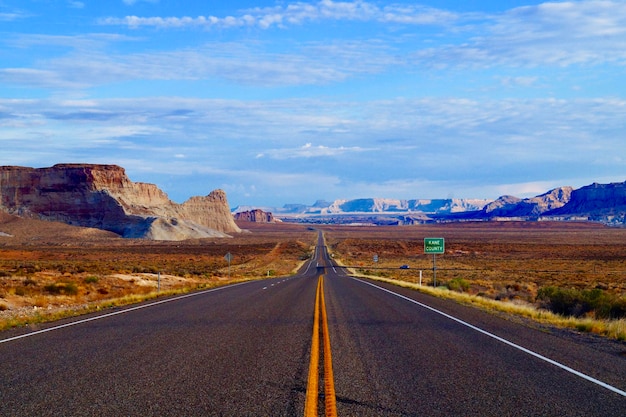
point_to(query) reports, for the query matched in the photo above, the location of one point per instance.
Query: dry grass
(46, 312)
(49, 270)
(499, 260)
(614, 329)
(501, 266)
(55, 275)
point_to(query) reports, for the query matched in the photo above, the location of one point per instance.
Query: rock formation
(387, 205)
(256, 216)
(604, 203)
(509, 206)
(363, 206)
(596, 200)
(103, 197)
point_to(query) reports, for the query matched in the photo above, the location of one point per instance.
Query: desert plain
(50, 270)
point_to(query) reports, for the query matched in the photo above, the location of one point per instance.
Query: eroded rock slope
(102, 196)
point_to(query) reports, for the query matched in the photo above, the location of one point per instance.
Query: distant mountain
(596, 202)
(254, 216)
(384, 205)
(604, 203)
(375, 205)
(102, 196)
(509, 206)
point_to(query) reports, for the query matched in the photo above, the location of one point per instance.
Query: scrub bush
(91, 279)
(68, 288)
(458, 284)
(577, 303)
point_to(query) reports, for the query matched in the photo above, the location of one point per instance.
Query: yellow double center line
(312, 390)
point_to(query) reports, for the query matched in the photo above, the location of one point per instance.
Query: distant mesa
(255, 216)
(598, 201)
(374, 206)
(509, 206)
(605, 203)
(102, 196)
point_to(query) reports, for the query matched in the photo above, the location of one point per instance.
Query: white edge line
(500, 339)
(115, 313)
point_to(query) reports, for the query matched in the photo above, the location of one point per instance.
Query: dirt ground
(45, 265)
(501, 260)
(48, 266)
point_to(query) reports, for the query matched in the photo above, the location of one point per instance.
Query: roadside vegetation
(570, 275)
(44, 282)
(611, 328)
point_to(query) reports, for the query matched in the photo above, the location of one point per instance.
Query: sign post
(229, 258)
(434, 245)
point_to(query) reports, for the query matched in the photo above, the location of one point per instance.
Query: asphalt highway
(244, 350)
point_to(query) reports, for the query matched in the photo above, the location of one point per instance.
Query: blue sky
(282, 102)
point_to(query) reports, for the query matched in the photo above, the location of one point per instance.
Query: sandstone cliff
(509, 206)
(256, 216)
(103, 197)
(596, 200)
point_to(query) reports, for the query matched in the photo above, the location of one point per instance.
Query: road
(245, 350)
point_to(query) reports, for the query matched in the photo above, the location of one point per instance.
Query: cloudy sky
(285, 101)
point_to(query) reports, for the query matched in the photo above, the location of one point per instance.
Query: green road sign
(434, 245)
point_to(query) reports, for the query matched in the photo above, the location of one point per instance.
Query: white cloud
(309, 151)
(13, 15)
(82, 42)
(526, 189)
(554, 34)
(7, 17)
(299, 13)
(39, 78)
(89, 65)
(437, 146)
(535, 128)
(132, 2)
(518, 81)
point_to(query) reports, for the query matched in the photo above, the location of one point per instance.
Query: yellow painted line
(312, 391)
(310, 403)
(329, 380)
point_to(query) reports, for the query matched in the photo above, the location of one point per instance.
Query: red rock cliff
(256, 215)
(211, 211)
(102, 196)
